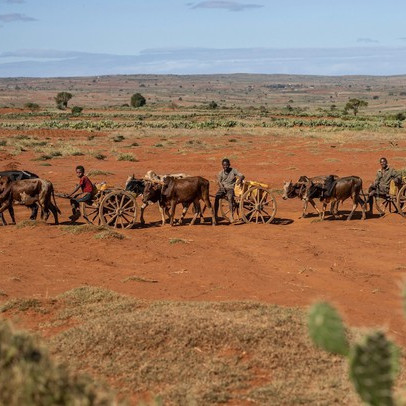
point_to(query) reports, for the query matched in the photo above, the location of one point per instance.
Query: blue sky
(59, 38)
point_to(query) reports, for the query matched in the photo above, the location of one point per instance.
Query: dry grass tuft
(29, 223)
(179, 241)
(98, 172)
(199, 353)
(22, 305)
(139, 279)
(103, 233)
(109, 234)
(79, 229)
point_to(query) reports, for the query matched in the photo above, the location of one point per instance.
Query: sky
(44, 38)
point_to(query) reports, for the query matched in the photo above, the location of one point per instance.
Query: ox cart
(110, 206)
(394, 201)
(253, 203)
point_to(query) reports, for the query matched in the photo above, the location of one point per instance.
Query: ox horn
(159, 182)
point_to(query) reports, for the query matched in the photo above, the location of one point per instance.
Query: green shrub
(138, 100)
(32, 106)
(213, 105)
(76, 110)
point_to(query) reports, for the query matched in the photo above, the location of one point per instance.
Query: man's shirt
(227, 180)
(383, 178)
(86, 185)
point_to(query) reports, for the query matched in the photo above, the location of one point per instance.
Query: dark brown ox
(187, 191)
(299, 189)
(28, 192)
(152, 193)
(335, 191)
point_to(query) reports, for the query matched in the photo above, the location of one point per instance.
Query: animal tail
(53, 197)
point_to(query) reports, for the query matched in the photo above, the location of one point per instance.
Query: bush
(213, 105)
(126, 157)
(138, 100)
(400, 116)
(100, 156)
(28, 376)
(32, 106)
(76, 110)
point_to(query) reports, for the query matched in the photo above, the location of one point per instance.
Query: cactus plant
(371, 369)
(327, 329)
(373, 362)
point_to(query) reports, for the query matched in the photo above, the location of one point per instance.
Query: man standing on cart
(227, 178)
(381, 185)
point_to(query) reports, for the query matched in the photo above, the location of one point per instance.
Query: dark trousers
(224, 193)
(87, 197)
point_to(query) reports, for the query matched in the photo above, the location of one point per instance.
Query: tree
(354, 105)
(138, 100)
(62, 99)
(213, 105)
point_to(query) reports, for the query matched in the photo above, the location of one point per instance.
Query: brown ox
(187, 191)
(335, 191)
(150, 188)
(299, 189)
(28, 192)
(152, 193)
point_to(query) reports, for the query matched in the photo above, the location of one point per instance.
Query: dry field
(189, 312)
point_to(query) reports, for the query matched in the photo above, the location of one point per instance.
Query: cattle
(187, 191)
(28, 192)
(298, 189)
(135, 185)
(20, 175)
(153, 194)
(150, 188)
(338, 190)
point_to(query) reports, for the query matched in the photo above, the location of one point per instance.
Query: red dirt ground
(358, 265)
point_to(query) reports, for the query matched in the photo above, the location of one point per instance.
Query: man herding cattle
(227, 178)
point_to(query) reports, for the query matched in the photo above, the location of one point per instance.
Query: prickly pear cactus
(327, 329)
(373, 369)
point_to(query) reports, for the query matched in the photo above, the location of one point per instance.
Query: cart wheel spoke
(118, 209)
(258, 205)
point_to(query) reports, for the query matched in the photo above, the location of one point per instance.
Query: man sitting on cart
(227, 178)
(86, 195)
(381, 185)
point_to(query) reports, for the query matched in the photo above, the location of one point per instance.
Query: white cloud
(368, 40)
(8, 18)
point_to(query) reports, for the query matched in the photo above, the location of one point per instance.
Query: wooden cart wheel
(257, 205)
(384, 205)
(225, 210)
(401, 201)
(118, 209)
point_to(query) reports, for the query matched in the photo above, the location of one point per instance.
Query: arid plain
(273, 129)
